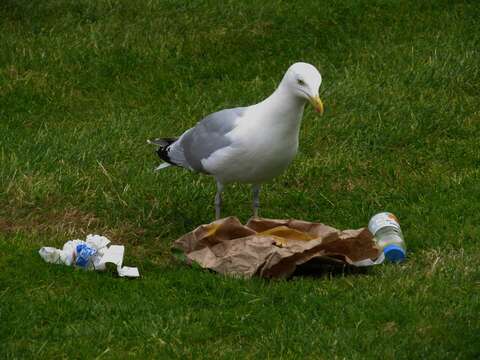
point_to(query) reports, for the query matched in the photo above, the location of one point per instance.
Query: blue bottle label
(84, 253)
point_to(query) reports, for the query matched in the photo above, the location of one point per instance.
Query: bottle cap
(394, 253)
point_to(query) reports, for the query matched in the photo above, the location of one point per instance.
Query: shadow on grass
(322, 267)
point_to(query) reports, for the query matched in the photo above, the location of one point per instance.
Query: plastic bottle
(388, 235)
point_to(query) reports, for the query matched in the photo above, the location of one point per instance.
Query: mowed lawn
(83, 84)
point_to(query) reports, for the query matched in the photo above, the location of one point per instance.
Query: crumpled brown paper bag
(272, 248)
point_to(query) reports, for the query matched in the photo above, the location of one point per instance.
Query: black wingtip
(163, 148)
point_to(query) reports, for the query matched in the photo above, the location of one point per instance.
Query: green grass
(83, 84)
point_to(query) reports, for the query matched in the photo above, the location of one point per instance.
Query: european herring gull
(250, 144)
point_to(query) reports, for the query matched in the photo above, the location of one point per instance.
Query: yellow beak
(317, 104)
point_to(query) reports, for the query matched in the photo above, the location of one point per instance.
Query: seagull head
(304, 80)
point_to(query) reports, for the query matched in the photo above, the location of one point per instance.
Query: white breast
(263, 145)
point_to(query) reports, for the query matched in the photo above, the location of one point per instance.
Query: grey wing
(205, 138)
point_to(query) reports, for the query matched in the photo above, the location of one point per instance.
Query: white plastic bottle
(388, 235)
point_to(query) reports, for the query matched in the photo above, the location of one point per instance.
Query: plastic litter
(91, 254)
(388, 235)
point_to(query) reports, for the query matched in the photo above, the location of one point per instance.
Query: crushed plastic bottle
(92, 254)
(388, 235)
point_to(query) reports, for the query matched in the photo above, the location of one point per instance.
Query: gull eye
(300, 82)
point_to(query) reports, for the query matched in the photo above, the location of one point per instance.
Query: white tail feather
(162, 166)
